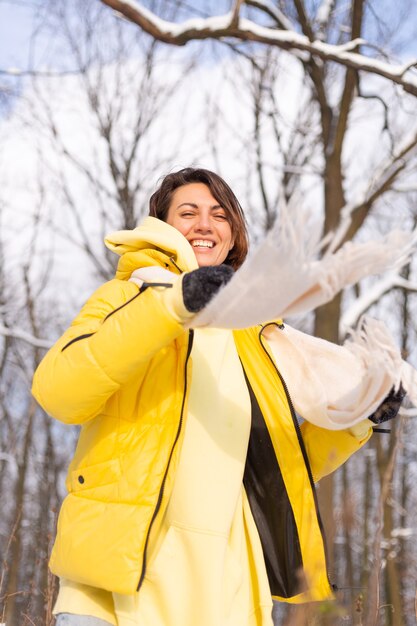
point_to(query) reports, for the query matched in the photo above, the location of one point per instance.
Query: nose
(203, 224)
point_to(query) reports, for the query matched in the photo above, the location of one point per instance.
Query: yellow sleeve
(117, 330)
(328, 449)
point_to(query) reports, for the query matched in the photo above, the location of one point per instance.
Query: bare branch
(374, 579)
(15, 71)
(354, 214)
(351, 81)
(316, 73)
(369, 96)
(18, 333)
(234, 22)
(361, 305)
(304, 21)
(278, 16)
(219, 27)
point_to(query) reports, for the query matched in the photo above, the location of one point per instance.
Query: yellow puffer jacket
(122, 370)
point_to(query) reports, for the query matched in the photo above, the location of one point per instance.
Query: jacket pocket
(188, 575)
(94, 476)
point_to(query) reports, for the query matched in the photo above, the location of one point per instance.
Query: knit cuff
(173, 300)
(362, 430)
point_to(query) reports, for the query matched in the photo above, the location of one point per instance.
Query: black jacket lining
(271, 509)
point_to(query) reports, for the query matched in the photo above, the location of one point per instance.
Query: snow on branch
(324, 11)
(383, 179)
(17, 333)
(18, 72)
(408, 412)
(361, 305)
(231, 25)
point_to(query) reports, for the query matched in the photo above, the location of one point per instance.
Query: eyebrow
(195, 206)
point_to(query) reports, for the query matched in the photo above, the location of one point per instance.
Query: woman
(191, 492)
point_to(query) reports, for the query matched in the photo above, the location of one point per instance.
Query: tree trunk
(41, 538)
(394, 611)
(14, 557)
(327, 327)
(347, 506)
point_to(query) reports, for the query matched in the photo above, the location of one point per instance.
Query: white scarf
(332, 386)
(337, 387)
(284, 278)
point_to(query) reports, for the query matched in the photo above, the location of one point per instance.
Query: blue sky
(16, 24)
(18, 18)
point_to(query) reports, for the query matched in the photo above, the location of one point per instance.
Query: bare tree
(124, 92)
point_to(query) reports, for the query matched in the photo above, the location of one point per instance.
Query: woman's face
(203, 222)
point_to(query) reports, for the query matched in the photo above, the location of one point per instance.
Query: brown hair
(160, 202)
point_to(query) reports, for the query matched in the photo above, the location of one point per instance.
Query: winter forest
(296, 103)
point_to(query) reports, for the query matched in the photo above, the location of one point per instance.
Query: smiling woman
(191, 493)
(202, 206)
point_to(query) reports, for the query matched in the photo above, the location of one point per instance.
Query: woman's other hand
(389, 408)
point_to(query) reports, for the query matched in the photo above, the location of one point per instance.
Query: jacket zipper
(161, 490)
(303, 450)
(76, 339)
(141, 290)
(171, 258)
(104, 319)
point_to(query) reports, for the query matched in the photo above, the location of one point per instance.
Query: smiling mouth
(202, 243)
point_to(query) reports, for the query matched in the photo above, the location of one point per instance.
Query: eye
(221, 216)
(187, 214)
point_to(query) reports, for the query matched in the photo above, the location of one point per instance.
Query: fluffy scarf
(332, 386)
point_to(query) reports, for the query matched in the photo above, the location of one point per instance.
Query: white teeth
(202, 243)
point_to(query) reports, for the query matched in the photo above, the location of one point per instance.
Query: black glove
(199, 286)
(389, 407)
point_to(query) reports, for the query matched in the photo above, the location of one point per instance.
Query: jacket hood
(153, 242)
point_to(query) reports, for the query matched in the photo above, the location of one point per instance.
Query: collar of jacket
(153, 242)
